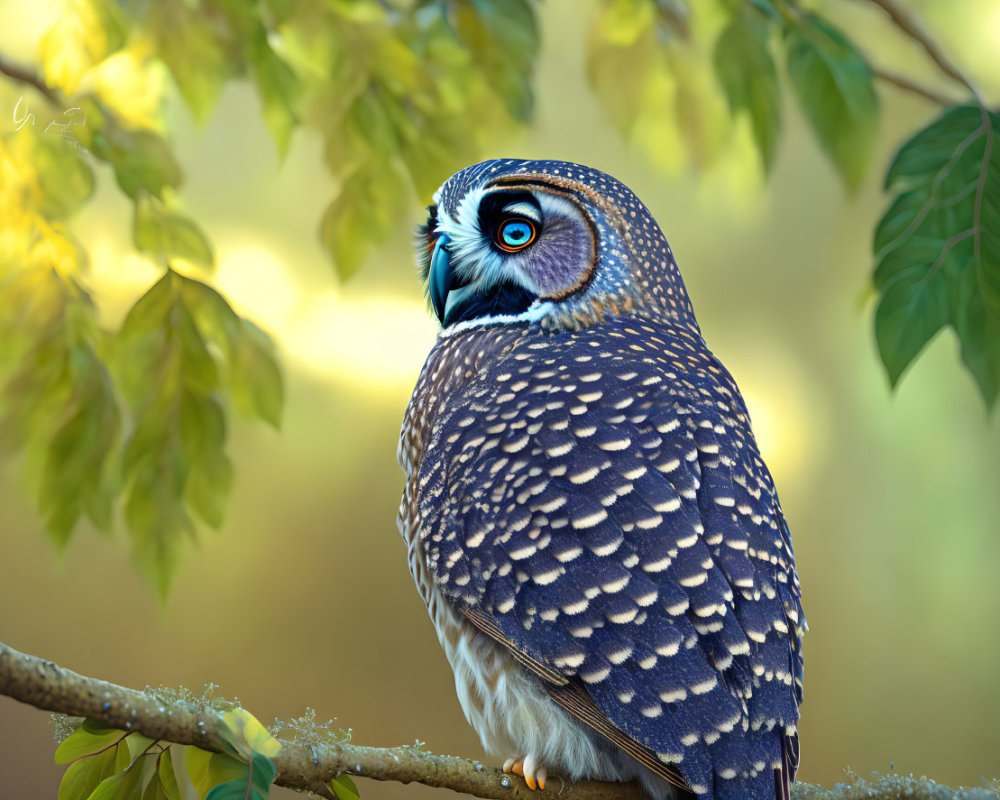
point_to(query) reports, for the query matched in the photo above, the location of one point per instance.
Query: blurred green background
(304, 598)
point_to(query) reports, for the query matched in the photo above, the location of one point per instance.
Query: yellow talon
(528, 768)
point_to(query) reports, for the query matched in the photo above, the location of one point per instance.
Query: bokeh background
(303, 599)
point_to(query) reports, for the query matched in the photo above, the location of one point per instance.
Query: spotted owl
(587, 516)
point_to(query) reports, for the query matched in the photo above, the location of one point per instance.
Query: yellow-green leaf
(208, 770)
(161, 232)
(89, 738)
(344, 787)
(255, 378)
(244, 730)
(84, 776)
(190, 43)
(363, 213)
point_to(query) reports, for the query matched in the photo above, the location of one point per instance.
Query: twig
(25, 75)
(902, 20)
(307, 767)
(904, 83)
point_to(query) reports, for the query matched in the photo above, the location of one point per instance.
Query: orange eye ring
(515, 234)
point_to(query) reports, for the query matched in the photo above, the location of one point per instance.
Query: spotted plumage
(588, 519)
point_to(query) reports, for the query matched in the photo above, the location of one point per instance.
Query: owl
(587, 516)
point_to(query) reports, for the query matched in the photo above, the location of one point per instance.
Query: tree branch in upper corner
(305, 767)
(901, 19)
(25, 75)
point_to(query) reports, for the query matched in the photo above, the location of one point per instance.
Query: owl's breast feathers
(595, 502)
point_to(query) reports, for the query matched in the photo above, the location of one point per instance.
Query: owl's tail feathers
(789, 766)
(768, 783)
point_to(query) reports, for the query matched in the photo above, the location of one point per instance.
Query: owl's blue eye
(515, 234)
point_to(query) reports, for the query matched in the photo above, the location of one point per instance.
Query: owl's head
(544, 241)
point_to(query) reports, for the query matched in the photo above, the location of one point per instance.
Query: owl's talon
(540, 775)
(534, 773)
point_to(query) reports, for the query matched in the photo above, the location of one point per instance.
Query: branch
(902, 20)
(303, 767)
(908, 85)
(24, 75)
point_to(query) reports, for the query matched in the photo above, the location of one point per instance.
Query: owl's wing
(611, 520)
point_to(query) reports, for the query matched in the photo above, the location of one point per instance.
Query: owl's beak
(441, 278)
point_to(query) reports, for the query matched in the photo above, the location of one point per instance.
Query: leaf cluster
(108, 764)
(937, 252)
(938, 245)
(676, 78)
(135, 417)
(138, 417)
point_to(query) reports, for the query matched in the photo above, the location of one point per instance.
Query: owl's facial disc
(501, 252)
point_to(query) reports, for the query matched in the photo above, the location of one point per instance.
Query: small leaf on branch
(65, 179)
(142, 159)
(163, 784)
(82, 777)
(938, 246)
(279, 89)
(188, 41)
(159, 231)
(746, 71)
(124, 785)
(86, 740)
(244, 733)
(364, 212)
(656, 83)
(833, 83)
(502, 36)
(207, 770)
(344, 787)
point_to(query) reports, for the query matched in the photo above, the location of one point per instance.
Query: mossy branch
(306, 767)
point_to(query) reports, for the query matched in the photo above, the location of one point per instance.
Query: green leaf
(833, 83)
(255, 379)
(65, 178)
(170, 379)
(503, 37)
(656, 84)
(84, 776)
(189, 41)
(364, 212)
(746, 71)
(279, 89)
(978, 329)
(913, 306)
(766, 8)
(89, 738)
(208, 770)
(159, 231)
(75, 475)
(163, 784)
(142, 159)
(937, 245)
(251, 781)
(125, 785)
(344, 788)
